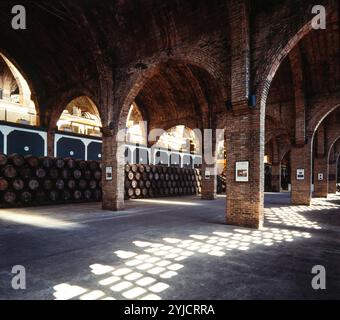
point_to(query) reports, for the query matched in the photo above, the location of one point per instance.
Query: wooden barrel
(138, 176)
(71, 184)
(66, 174)
(77, 195)
(134, 168)
(46, 162)
(131, 176)
(154, 169)
(10, 197)
(71, 163)
(82, 184)
(54, 173)
(93, 165)
(66, 195)
(97, 175)
(40, 173)
(134, 184)
(77, 174)
(141, 168)
(83, 165)
(88, 174)
(141, 184)
(33, 184)
(87, 195)
(156, 176)
(3, 184)
(16, 159)
(26, 197)
(3, 159)
(147, 168)
(60, 163)
(18, 184)
(47, 185)
(138, 192)
(60, 184)
(54, 196)
(9, 171)
(32, 161)
(145, 192)
(93, 184)
(131, 192)
(40, 196)
(148, 184)
(127, 168)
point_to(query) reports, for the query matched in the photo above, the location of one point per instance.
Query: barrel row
(147, 181)
(31, 180)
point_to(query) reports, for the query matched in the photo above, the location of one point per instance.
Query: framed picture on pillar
(300, 174)
(242, 171)
(108, 173)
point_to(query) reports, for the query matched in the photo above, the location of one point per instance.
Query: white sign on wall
(320, 176)
(242, 171)
(300, 174)
(207, 175)
(108, 174)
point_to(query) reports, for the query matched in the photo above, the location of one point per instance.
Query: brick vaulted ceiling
(320, 65)
(66, 41)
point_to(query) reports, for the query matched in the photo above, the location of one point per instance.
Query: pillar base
(209, 197)
(119, 206)
(320, 194)
(246, 215)
(300, 199)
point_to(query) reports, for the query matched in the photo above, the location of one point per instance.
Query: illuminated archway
(136, 128)
(81, 116)
(16, 104)
(180, 138)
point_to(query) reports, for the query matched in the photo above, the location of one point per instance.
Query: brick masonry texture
(180, 62)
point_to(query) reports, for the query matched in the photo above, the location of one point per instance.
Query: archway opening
(16, 104)
(81, 116)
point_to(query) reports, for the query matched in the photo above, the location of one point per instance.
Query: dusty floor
(170, 249)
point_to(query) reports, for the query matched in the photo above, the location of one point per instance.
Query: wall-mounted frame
(108, 174)
(300, 174)
(242, 171)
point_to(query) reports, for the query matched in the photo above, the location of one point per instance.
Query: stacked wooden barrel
(149, 181)
(29, 180)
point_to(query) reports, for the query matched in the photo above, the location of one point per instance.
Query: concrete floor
(170, 249)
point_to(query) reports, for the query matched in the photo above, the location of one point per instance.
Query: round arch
(21, 107)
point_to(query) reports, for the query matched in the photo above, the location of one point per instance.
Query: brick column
(332, 176)
(276, 177)
(321, 186)
(113, 157)
(301, 158)
(245, 142)
(209, 184)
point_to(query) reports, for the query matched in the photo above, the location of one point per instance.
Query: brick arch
(64, 99)
(27, 79)
(335, 137)
(128, 91)
(322, 113)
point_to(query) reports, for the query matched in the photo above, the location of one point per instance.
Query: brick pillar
(321, 183)
(113, 157)
(332, 177)
(50, 142)
(276, 177)
(209, 182)
(245, 142)
(301, 158)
